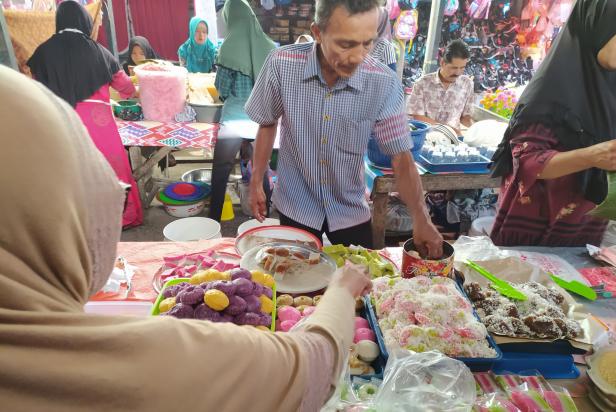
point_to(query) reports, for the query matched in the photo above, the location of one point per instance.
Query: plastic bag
(428, 381)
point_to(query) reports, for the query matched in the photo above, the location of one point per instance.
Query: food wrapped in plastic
(428, 381)
(267, 292)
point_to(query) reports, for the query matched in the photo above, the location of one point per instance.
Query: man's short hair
(456, 49)
(325, 9)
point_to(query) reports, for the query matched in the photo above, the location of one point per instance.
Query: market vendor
(139, 49)
(197, 53)
(55, 357)
(330, 95)
(445, 96)
(239, 62)
(559, 143)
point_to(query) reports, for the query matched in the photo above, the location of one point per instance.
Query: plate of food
(378, 264)
(296, 268)
(261, 235)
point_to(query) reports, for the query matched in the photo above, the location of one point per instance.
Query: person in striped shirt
(329, 96)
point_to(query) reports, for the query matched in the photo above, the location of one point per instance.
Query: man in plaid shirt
(330, 95)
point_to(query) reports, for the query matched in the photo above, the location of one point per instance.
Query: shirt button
(325, 203)
(324, 140)
(326, 117)
(323, 162)
(328, 95)
(323, 181)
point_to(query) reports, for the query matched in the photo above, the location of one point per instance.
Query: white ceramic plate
(256, 236)
(308, 278)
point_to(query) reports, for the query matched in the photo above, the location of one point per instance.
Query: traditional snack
(541, 316)
(376, 265)
(302, 301)
(220, 299)
(281, 260)
(316, 299)
(284, 300)
(423, 314)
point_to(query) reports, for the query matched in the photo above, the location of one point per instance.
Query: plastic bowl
(197, 175)
(418, 136)
(189, 210)
(192, 228)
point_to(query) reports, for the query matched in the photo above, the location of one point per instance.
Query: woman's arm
(602, 156)
(122, 83)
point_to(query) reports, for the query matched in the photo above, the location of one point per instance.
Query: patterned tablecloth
(157, 134)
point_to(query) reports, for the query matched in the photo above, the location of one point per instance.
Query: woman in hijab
(54, 357)
(383, 50)
(80, 71)
(239, 62)
(139, 49)
(558, 145)
(198, 53)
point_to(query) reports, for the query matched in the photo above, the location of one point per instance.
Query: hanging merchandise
(405, 27)
(394, 9)
(283, 2)
(268, 4)
(408, 4)
(451, 7)
(479, 9)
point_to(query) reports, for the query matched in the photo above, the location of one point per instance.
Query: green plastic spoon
(575, 286)
(501, 286)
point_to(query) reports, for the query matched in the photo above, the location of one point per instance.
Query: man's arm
(423, 118)
(263, 152)
(427, 239)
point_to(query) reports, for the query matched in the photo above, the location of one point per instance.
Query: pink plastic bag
(162, 91)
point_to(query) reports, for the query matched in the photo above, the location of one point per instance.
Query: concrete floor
(155, 218)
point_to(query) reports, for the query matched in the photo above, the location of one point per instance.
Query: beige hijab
(61, 215)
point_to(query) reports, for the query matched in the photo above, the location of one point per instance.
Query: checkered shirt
(384, 51)
(324, 133)
(232, 83)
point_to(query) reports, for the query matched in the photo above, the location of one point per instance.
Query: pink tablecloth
(157, 134)
(147, 258)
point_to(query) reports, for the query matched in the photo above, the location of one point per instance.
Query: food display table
(165, 137)
(147, 258)
(381, 183)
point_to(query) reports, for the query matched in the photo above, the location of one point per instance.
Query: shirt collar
(437, 79)
(313, 69)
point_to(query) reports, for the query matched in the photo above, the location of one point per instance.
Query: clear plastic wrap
(428, 381)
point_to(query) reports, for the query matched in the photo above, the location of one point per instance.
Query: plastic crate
(474, 364)
(551, 366)
(470, 167)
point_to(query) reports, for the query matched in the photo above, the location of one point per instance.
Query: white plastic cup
(192, 228)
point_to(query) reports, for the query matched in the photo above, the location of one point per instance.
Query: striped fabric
(324, 133)
(384, 52)
(231, 83)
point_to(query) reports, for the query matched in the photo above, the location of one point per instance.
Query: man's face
(347, 39)
(451, 71)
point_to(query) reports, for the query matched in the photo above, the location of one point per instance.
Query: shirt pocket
(354, 135)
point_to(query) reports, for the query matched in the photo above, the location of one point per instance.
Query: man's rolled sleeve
(265, 103)
(391, 128)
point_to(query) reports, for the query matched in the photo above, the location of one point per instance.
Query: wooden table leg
(136, 161)
(379, 213)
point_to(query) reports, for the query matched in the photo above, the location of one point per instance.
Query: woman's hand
(603, 155)
(354, 278)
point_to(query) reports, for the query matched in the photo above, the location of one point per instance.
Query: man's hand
(428, 241)
(258, 202)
